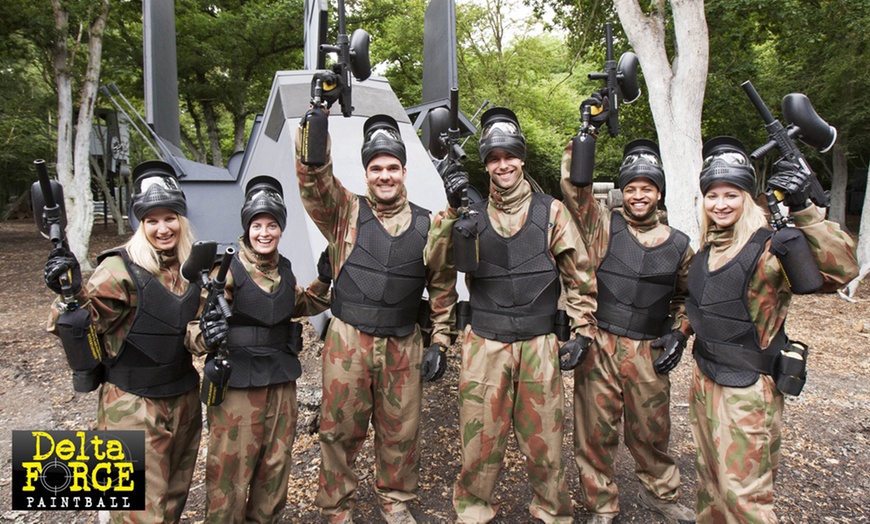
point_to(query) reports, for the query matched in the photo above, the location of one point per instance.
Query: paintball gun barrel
(353, 60)
(47, 194)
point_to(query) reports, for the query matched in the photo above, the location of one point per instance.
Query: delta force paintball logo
(78, 470)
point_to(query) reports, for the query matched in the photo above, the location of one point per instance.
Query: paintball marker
(47, 195)
(806, 125)
(78, 335)
(787, 243)
(353, 58)
(619, 79)
(444, 136)
(217, 370)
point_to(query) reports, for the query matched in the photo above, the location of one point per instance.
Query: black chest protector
(515, 290)
(636, 282)
(726, 345)
(380, 285)
(259, 340)
(153, 362)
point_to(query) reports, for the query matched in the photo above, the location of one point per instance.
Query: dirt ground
(826, 454)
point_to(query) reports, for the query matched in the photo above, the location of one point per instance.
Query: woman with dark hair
(140, 306)
(738, 301)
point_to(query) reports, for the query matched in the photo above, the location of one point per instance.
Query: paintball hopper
(360, 63)
(811, 129)
(439, 123)
(626, 75)
(44, 203)
(202, 258)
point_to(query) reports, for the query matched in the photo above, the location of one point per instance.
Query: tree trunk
(863, 250)
(676, 98)
(839, 178)
(73, 152)
(214, 139)
(100, 177)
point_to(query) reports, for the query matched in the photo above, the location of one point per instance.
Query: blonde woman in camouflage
(140, 305)
(737, 307)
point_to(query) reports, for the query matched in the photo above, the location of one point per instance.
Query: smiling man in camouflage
(374, 347)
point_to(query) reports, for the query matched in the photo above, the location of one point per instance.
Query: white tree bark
(73, 149)
(863, 250)
(837, 210)
(676, 96)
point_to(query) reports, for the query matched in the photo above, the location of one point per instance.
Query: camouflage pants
(250, 438)
(737, 433)
(500, 385)
(173, 428)
(369, 378)
(617, 382)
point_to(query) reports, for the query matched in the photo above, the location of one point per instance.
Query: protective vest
(515, 290)
(636, 282)
(259, 339)
(379, 287)
(153, 362)
(726, 345)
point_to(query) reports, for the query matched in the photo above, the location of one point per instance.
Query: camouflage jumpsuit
(737, 430)
(617, 378)
(519, 384)
(367, 377)
(251, 433)
(172, 425)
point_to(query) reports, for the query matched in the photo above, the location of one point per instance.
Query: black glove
(599, 107)
(62, 261)
(672, 346)
(331, 86)
(573, 352)
(434, 363)
(454, 183)
(214, 327)
(792, 182)
(324, 268)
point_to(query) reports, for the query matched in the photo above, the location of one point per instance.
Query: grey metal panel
(161, 69)
(439, 50)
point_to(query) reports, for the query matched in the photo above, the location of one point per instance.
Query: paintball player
(510, 373)
(374, 347)
(735, 404)
(641, 267)
(150, 382)
(251, 432)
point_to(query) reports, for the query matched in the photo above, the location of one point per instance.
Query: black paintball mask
(381, 135)
(263, 194)
(641, 159)
(500, 129)
(726, 160)
(155, 186)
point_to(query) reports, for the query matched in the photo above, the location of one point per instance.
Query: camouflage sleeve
(681, 292)
(833, 248)
(578, 275)
(590, 216)
(441, 276)
(312, 300)
(326, 200)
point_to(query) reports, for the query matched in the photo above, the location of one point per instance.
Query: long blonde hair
(144, 254)
(751, 220)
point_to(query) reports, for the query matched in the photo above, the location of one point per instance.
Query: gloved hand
(331, 84)
(789, 180)
(324, 268)
(434, 363)
(214, 327)
(573, 352)
(599, 107)
(672, 345)
(454, 183)
(62, 261)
